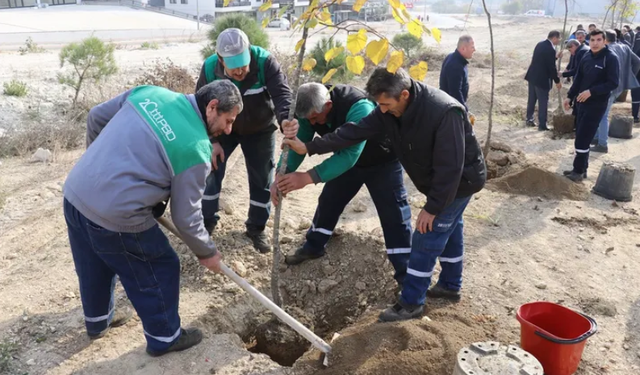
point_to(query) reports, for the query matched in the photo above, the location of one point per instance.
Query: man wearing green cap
(267, 97)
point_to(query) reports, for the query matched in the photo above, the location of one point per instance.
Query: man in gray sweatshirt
(144, 146)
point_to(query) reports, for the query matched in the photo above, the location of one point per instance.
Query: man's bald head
(466, 46)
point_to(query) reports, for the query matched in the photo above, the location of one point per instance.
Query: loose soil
(538, 182)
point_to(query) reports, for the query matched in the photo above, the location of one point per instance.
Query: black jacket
(543, 66)
(433, 140)
(636, 44)
(454, 77)
(266, 95)
(600, 74)
(572, 68)
(377, 150)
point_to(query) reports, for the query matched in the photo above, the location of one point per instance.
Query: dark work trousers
(635, 103)
(588, 118)
(445, 243)
(258, 152)
(542, 97)
(147, 266)
(386, 187)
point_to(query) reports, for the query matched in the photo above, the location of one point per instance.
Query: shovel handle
(266, 302)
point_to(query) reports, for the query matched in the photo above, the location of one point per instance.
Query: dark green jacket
(265, 92)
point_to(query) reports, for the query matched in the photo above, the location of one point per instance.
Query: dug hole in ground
(531, 235)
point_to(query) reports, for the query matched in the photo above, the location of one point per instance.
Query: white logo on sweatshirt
(158, 119)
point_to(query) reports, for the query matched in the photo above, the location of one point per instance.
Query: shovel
(266, 302)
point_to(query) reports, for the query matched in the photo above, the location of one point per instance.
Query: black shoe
(594, 142)
(600, 149)
(439, 292)
(531, 124)
(543, 129)
(575, 177)
(210, 226)
(260, 241)
(636, 120)
(188, 338)
(399, 312)
(566, 173)
(301, 255)
(120, 318)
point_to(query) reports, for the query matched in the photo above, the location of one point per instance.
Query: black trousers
(588, 120)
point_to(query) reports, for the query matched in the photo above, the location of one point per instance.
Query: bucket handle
(591, 332)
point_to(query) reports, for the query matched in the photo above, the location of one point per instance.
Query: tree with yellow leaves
(363, 41)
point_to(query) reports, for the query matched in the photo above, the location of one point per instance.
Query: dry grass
(168, 75)
(34, 134)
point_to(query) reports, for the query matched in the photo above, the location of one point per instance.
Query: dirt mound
(538, 182)
(563, 123)
(503, 159)
(412, 347)
(336, 289)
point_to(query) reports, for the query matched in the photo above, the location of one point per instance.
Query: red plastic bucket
(555, 335)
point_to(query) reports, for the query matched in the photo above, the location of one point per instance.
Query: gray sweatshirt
(126, 171)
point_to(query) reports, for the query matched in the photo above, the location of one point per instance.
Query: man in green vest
(267, 98)
(144, 146)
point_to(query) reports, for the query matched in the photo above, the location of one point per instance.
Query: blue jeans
(446, 243)
(602, 137)
(147, 266)
(258, 152)
(386, 187)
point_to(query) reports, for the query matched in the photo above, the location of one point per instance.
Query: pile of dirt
(411, 347)
(503, 159)
(537, 182)
(336, 289)
(563, 123)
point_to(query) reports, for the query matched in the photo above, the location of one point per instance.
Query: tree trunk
(564, 30)
(487, 146)
(275, 270)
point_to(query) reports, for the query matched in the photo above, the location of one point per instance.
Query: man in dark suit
(540, 74)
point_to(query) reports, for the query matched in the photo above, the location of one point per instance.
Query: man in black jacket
(598, 76)
(324, 109)
(431, 134)
(540, 74)
(454, 76)
(577, 51)
(267, 98)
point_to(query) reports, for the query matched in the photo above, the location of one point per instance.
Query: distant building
(32, 3)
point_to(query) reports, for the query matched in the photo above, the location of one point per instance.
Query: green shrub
(91, 59)
(411, 45)
(257, 36)
(30, 47)
(15, 88)
(339, 62)
(149, 45)
(449, 7)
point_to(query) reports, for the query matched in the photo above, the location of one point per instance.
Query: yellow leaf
(397, 17)
(333, 52)
(282, 11)
(340, 2)
(358, 5)
(355, 64)
(226, 2)
(266, 6)
(415, 28)
(329, 74)
(312, 23)
(405, 13)
(437, 35)
(395, 4)
(377, 50)
(325, 16)
(265, 22)
(356, 42)
(426, 30)
(419, 71)
(309, 64)
(395, 61)
(299, 45)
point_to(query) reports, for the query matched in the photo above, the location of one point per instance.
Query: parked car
(535, 13)
(283, 23)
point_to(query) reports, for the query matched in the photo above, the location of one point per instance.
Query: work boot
(188, 338)
(260, 241)
(210, 226)
(566, 173)
(543, 129)
(636, 120)
(301, 255)
(440, 292)
(600, 149)
(594, 142)
(120, 318)
(576, 177)
(400, 311)
(531, 124)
